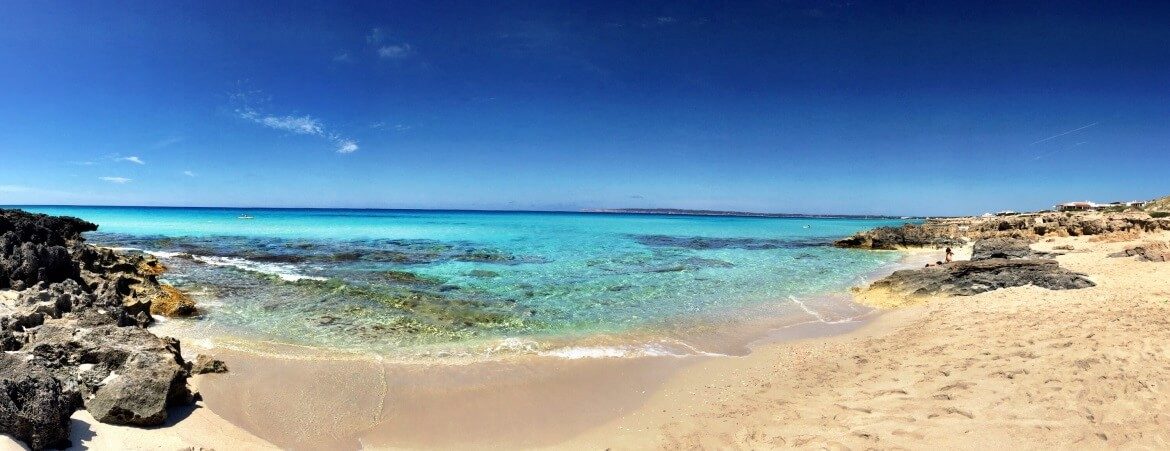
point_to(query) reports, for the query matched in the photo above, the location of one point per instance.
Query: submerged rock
(702, 242)
(406, 277)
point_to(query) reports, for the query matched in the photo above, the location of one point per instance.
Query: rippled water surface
(395, 281)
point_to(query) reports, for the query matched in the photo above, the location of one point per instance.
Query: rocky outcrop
(1032, 226)
(965, 278)
(172, 302)
(1004, 247)
(893, 238)
(34, 248)
(204, 364)
(995, 263)
(1148, 252)
(72, 321)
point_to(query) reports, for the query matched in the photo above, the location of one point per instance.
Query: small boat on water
(245, 216)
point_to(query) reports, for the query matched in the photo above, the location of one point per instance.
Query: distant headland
(688, 212)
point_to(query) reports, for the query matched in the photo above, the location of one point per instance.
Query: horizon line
(600, 211)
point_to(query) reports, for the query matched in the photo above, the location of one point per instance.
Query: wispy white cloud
(394, 51)
(395, 127)
(188, 173)
(82, 163)
(118, 180)
(132, 159)
(346, 145)
(304, 125)
(342, 57)
(301, 125)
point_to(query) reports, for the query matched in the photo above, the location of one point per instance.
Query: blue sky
(817, 107)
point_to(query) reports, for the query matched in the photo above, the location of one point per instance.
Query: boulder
(34, 406)
(205, 364)
(172, 302)
(142, 375)
(139, 391)
(964, 278)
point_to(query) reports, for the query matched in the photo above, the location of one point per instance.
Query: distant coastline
(638, 211)
(687, 212)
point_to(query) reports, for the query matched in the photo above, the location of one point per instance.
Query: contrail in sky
(1058, 150)
(1062, 134)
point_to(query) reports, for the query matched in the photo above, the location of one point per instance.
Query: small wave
(815, 314)
(164, 254)
(284, 272)
(627, 351)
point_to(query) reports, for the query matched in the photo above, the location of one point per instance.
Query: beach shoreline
(352, 400)
(1007, 367)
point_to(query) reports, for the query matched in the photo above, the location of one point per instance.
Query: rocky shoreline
(73, 323)
(940, 233)
(1001, 254)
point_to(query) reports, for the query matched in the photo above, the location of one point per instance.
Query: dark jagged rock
(1005, 247)
(893, 238)
(34, 248)
(34, 405)
(204, 364)
(1148, 252)
(71, 326)
(965, 278)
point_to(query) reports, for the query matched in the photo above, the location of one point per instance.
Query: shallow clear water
(401, 281)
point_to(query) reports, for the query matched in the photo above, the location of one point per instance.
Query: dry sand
(1018, 368)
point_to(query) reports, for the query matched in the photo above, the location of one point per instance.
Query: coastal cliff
(72, 325)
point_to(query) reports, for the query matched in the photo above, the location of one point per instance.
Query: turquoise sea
(426, 283)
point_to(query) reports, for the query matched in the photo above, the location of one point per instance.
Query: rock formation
(72, 321)
(893, 238)
(1147, 252)
(965, 278)
(1004, 247)
(1031, 226)
(996, 263)
(205, 364)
